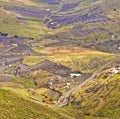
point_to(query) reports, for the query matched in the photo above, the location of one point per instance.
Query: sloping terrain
(59, 59)
(14, 25)
(15, 103)
(73, 60)
(90, 27)
(99, 97)
(91, 24)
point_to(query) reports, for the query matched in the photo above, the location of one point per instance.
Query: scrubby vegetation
(50, 49)
(15, 103)
(98, 98)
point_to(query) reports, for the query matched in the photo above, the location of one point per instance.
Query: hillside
(91, 24)
(59, 59)
(15, 103)
(99, 97)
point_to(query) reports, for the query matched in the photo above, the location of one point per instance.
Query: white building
(115, 71)
(72, 75)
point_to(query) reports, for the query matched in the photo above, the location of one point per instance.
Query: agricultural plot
(49, 66)
(75, 58)
(68, 7)
(110, 46)
(54, 2)
(5, 40)
(76, 32)
(56, 21)
(29, 12)
(21, 50)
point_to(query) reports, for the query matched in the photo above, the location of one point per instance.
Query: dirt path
(6, 50)
(65, 97)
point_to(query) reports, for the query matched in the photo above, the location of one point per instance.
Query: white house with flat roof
(72, 75)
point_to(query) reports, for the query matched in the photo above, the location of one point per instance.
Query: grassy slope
(80, 59)
(14, 104)
(24, 29)
(83, 60)
(11, 101)
(10, 24)
(99, 98)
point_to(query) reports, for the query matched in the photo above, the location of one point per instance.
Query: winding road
(63, 100)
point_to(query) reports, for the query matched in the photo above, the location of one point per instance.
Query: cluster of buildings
(113, 71)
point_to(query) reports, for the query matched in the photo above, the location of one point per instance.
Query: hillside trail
(65, 97)
(7, 50)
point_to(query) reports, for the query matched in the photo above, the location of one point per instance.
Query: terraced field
(50, 1)
(73, 57)
(26, 12)
(96, 23)
(59, 59)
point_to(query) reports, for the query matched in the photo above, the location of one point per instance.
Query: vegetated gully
(65, 97)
